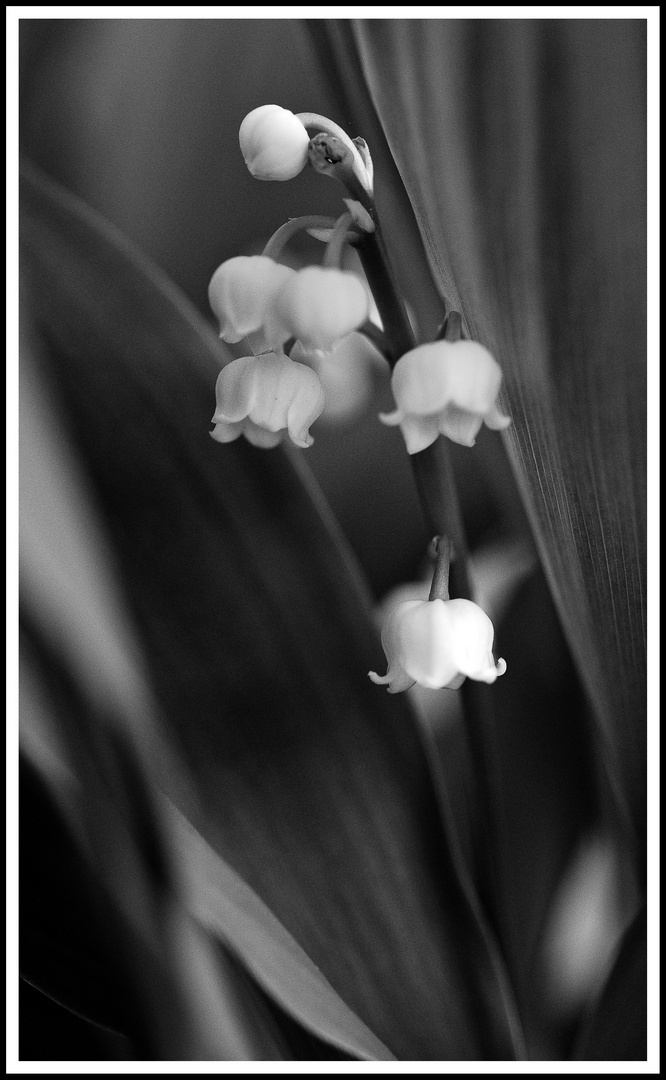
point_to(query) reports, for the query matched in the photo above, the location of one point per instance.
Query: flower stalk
(451, 328)
(445, 387)
(391, 306)
(440, 505)
(433, 473)
(333, 254)
(354, 157)
(439, 590)
(283, 235)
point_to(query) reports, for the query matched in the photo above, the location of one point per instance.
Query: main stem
(333, 254)
(433, 474)
(439, 590)
(323, 124)
(390, 304)
(435, 484)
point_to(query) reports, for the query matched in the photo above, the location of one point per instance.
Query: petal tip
(392, 419)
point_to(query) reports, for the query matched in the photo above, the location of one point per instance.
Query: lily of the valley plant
(258, 823)
(446, 387)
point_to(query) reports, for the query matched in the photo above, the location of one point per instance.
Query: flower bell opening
(445, 388)
(241, 293)
(437, 644)
(265, 398)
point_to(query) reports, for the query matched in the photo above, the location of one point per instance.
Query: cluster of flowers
(268, 394)
(441, 388)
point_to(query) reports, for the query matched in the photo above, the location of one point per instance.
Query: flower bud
(265, 397)
(448, 388)
(320, 305)
(436, 643)
(240, 292)
(274, 143)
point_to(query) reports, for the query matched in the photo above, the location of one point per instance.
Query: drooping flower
(240, 294)
(436, 643)
(319, 305)
(274, 143)
(448, 388)
(266, 397)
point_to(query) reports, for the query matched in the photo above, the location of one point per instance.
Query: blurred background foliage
(139, 118)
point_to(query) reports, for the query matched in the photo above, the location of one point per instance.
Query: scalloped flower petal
(264, 397)
(447, 388)
(436, 644)
(240, 292)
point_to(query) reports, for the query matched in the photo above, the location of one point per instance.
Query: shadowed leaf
(107, 913)
(312, 785)
(521, 144)
(616, 1028)
(62, 948)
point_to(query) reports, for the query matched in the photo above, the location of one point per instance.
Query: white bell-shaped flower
(240, 294)
(448, 388)
(319, 305)
(274, 143)
(437, 643)
(266, 397)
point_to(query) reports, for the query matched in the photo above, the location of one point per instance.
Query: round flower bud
(320, 305)
(240, 292)
(274, 143)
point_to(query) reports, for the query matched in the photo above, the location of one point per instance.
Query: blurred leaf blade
(542, 792)
(223, 903)
(523, 784)
(67, 724)
(616, 1027)
(521, 144)
(61, 949)
(312, 787)
(113, 942)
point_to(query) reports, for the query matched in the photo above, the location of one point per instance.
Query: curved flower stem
(438, 495)
(451, 328)
(322, 123)
(333, 254)
(439, 590)
(281, 236)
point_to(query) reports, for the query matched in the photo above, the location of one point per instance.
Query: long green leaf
(522, 796)
(521, 144)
